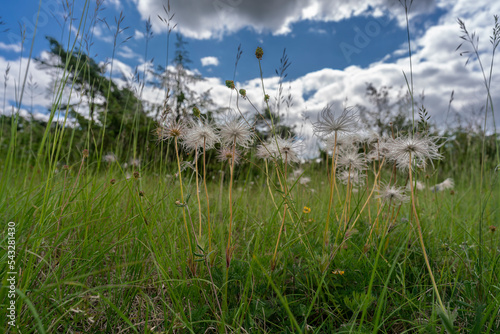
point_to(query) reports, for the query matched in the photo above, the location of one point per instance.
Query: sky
(335, 48)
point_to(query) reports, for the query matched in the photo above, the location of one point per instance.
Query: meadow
(201, 222)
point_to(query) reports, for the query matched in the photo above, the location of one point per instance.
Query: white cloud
(138, 34)
(102, 32)
(115, 3)
(214, 19)
(10, 47)
(126, 52)
(209, 61)
(437, 69)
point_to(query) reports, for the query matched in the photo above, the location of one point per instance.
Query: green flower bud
(196, 111)
(259, 53)
(230, 84)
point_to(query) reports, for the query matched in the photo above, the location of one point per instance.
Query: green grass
(97, 257)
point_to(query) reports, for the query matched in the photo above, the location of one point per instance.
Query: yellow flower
(338, 272)
(306, 210)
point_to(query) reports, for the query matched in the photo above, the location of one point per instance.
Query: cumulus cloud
(437, 68)
(10, 47)
(102, 32)
(138, 34)
(209, 61)
(126, 52)
(115, 3)
(214, 19)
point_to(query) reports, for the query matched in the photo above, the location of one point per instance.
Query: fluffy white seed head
(395, 195)
(328, 124)
(353, 177)
(109, 158)
(351, 159)
(236, 131)
(171, 128)
(200, 135)
(228, 154)
(420, 148)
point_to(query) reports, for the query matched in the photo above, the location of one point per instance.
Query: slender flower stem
(197, 190)
(268, 185)
(182, 197)
(273, 262)
(332, 185)
(228, 249)
(206, 195)
(375, 185)
(421, 239)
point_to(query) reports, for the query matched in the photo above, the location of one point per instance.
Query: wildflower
(492, 228)
(134, 163)
(200, 135)
(352, 160)
(298, 172)
(228, 154)
(304, 180)
(65, 167)
(109, 158)
(171, 128)
(338, 272)
(379, 150)
(287, 149)
(259, 53)
(446, 184)
(306, 210)
(243, 92)
(342, 142)
(328, 124)
(353, 177)
(85, 153)
(393, 194)
(196, 112)
(419, 148)
(141, 193)
(230, 84)
(266, 151)
(236, 132)
(136, 175)
(112, 181)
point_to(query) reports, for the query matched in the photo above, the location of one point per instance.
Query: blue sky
(335, 47)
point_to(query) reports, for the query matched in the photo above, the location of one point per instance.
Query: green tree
(103, 97)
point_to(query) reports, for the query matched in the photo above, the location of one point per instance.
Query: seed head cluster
(412, 150)
(236, 131)
(328, 124)
(200, 135)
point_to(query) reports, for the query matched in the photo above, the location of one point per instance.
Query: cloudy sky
(335, 48)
